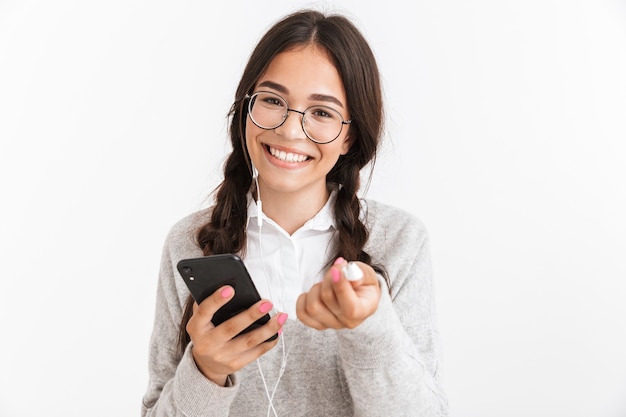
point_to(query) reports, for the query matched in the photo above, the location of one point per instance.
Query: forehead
(305, 70)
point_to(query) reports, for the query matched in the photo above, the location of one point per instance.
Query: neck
(292, 210)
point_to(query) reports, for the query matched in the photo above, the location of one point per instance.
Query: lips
(287, 156)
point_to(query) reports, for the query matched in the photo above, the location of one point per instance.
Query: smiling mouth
(287, 156)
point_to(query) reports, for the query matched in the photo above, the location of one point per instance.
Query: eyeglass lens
(321, 124)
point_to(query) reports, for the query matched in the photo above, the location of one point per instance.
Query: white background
(505, 136)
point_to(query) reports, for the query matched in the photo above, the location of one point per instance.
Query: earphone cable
(270, 397)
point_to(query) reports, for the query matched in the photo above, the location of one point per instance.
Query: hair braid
(226, 232)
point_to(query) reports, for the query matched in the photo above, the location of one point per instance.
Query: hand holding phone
(207, 274)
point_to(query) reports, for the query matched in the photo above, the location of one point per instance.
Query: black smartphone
(206, 274)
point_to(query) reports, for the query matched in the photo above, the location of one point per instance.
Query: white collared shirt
(284, 266)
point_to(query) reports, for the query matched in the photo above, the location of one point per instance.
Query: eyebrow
(313, 97)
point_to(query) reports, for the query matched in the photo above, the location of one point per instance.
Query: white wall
(507, 138)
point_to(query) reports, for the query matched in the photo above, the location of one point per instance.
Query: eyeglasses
(321, 124)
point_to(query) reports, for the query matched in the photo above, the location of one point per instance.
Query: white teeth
(287, 156)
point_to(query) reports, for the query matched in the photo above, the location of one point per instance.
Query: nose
(292, 126)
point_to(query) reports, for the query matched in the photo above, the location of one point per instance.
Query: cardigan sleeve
(176, 387)
(392, 360)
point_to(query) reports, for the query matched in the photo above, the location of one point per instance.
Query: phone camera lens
(187, 270)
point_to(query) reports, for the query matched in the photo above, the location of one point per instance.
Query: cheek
(247, 131)
(250, 133)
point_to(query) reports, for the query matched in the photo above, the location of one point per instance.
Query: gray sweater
(387, 366)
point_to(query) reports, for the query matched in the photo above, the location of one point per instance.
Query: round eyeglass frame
(251, 98)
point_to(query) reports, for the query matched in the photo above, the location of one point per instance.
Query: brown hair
(355, 62)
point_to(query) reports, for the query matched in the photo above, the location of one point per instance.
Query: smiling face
(288, 162)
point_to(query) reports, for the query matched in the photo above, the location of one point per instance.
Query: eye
(322, 114)
(272, 101)
(269, 101)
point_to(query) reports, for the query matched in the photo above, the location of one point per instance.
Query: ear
(347, 143)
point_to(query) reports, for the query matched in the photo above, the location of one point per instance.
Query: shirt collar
(322, 221)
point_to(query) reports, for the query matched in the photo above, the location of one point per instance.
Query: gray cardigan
(387, 366)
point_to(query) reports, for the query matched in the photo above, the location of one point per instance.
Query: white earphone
(285, 353)
(259, 203)
(352, 272)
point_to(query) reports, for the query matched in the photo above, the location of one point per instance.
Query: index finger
(342, 290)
(207, 307)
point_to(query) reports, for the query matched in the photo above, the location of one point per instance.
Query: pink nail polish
(226, 292)
(265, 307)
(339, 261)
(282, 318)
(335, 274)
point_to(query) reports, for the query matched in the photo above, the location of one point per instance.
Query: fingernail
(335, 274)
(265, 307)
(226, 292)
(339, 261)
(282, 318)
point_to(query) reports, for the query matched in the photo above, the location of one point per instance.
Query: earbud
(259, 204)
(352, 272)
(259, 219)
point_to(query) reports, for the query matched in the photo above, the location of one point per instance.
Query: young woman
(307, 118)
